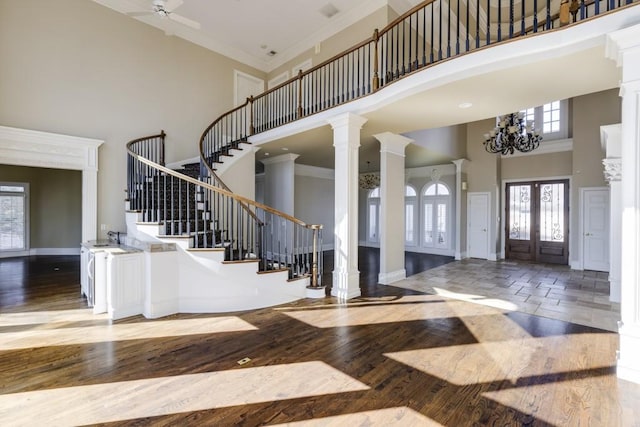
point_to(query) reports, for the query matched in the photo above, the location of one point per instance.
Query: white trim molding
(23, 147)
(546, 147)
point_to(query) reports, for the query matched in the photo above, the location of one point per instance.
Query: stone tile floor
(546, 290)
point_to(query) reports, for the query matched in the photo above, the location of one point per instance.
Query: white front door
(595, 229)
(478, 225)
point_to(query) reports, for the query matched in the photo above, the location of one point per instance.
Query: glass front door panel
(552, 212)
(520, 212)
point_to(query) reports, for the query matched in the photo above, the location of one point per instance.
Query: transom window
(550, 119)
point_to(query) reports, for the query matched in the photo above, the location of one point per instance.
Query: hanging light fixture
(369, 180)
(512, 133)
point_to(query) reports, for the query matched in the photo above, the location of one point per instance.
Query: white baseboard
(12, 254)
(55, 251)
(575, 264)
(493, 256)
(161, 309)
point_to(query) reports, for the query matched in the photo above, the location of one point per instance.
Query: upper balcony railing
(433, 31)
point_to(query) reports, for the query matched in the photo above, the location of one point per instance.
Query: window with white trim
(436, 203)
(13, 216)
(551, 119)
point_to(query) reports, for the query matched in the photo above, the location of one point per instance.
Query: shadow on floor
(369, 267)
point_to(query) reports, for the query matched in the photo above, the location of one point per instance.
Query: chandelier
(369, 181)
(512, 133)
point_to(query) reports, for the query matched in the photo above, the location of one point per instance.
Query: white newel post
(624, 47)
(346, 140)
(610, 137)
(392, 189)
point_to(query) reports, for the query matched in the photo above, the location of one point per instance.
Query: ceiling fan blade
(136, 14)
(184, 21)
(173, 4)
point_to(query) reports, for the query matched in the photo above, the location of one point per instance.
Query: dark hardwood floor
(390, 357)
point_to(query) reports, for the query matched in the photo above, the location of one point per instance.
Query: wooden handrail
(219, 190)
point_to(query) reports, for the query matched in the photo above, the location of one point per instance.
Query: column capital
(289, 157)
(610, 139)
(347, 120)
(612, 169)
(460, 164)
(392, 142)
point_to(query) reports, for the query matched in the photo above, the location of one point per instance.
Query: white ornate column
(346, 140)
(624, 47)
(610, 137)
(461, 221)
(392, 227)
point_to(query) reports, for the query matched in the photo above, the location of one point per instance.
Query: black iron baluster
(548, 15)
(499, 20)
(458, 28)
(511, 18)
(477, 24)
(440, 31)
(488, 23)
(449, 30)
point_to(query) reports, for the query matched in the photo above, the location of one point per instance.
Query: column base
(628, 361)
(317, 292)
(614, 290)
(346, 285)
(391, 277)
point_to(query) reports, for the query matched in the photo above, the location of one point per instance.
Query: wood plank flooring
(392, 357)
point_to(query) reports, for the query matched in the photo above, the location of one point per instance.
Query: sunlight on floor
(127, 400)
(58, 316)
(478, 299)
(405, 309)
(575, 402)
(380, 417)
(489, 362)
(121, 332)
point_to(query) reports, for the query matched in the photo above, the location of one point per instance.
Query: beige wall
(483, 175)
(81, 69)
(589, 113)
(55, 204)
(339, 42)
(540, 166)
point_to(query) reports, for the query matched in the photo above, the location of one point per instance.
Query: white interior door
(246, 86)
(595, 229)
(478, 225)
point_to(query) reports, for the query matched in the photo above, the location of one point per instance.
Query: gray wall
(78, 68)
(55, 204)
(314, 204)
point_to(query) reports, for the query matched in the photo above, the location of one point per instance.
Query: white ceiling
(247, 30)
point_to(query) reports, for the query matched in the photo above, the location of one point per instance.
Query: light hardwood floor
(391, 357)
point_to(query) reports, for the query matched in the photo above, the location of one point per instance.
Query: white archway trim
(23, 147)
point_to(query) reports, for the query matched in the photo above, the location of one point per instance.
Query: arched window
(436, 212)
(410, 216)
(373, 216)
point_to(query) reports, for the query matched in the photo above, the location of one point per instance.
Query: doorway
(537, 225)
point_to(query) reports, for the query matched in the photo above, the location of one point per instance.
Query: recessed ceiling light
(285, 149)
(272, 53)
(465, 105)
(266, 154)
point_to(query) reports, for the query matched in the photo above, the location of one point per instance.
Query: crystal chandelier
(512, 133)
(369, 181)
